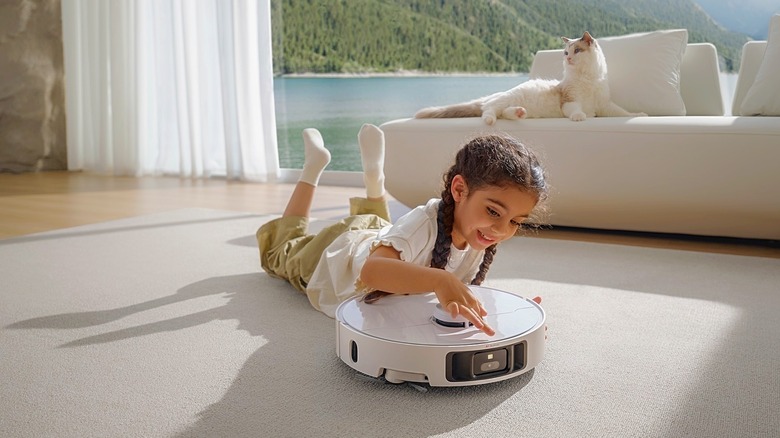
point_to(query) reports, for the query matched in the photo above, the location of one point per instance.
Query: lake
(339, 106)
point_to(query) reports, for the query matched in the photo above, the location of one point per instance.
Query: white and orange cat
(583, 92)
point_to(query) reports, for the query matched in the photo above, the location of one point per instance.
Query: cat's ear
(587, 38)
(566, 40)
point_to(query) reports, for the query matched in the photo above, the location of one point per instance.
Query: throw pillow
(644, 71)
(763, 97)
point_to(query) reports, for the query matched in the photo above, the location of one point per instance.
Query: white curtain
(181, 87)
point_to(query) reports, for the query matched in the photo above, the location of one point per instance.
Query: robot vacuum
(410, 338)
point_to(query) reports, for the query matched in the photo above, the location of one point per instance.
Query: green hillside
(350, 36)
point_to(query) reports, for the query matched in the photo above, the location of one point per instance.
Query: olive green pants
(287, 251)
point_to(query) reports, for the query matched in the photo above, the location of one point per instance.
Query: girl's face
(489, 215)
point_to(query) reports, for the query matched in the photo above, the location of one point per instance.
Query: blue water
(338, 107)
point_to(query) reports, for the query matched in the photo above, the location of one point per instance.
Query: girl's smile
(488, 215)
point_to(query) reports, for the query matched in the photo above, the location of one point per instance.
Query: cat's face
(579, 51)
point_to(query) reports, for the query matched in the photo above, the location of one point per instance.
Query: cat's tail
(466, 109)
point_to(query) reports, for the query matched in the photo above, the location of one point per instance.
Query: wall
(32, 88)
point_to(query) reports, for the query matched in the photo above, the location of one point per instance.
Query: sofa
(684, 169)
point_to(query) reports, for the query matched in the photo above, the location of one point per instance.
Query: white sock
(316, 157)
(372, 154)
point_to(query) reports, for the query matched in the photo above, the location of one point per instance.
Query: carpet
(165, 326)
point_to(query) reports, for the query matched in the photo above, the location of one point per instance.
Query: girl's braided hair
(486, 161)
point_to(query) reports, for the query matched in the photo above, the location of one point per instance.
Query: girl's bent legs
(372, 152)
(286, 250)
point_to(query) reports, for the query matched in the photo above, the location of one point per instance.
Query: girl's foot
(316, 157)
(372, 153)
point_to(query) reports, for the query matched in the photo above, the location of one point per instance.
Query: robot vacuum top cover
(413, 319)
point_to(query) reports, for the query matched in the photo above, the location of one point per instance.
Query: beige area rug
(164, 326)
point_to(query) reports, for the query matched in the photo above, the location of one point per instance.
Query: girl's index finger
(459, 309)
(477, 321)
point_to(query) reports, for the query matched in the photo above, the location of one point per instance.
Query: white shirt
(336, 277)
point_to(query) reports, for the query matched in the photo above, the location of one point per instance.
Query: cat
(583, 92)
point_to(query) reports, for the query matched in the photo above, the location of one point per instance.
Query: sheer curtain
(181, 87)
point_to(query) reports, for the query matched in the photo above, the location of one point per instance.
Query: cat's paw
(514, 113)
(577, 117)
(490, 119)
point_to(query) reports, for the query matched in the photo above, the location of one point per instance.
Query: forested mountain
(343, 36)
(750, 17)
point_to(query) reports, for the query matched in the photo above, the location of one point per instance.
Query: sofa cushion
(752, 55)
(647, 76)
(763, 97)
(643, 68)
(700, 81)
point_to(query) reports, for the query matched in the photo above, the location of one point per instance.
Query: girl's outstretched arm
(384, 270)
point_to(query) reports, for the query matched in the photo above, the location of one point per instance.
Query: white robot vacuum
(410, 338)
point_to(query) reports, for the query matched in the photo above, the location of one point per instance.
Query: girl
(494, 185)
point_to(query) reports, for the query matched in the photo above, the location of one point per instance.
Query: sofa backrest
(699, 77)
(752, 55)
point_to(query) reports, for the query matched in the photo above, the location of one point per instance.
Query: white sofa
(702, 173)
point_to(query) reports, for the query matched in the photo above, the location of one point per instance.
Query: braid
(444, 220)
(490, 252)
(373, 296)
(441, 249)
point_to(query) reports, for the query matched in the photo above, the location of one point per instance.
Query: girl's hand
(458, 299)
(384, 270)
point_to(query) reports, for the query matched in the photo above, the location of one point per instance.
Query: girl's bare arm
(384, 270)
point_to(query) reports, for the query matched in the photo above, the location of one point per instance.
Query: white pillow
(644, 71)
(763, 97)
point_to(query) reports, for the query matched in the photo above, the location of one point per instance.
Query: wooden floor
(36, 202)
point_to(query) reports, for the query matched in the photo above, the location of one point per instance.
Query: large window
(340, 64)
